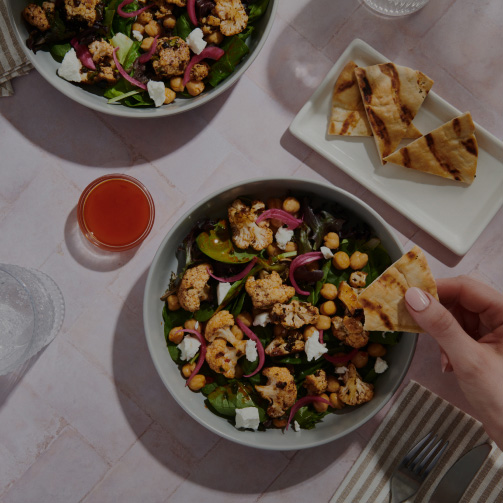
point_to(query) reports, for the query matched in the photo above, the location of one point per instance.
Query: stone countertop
(89, 419)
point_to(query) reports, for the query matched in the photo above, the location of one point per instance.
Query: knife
(459, 476)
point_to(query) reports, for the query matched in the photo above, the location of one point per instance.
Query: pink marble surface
(89, 419)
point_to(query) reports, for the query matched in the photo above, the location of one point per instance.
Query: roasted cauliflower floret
(102, 54)
(294, 315)
(172, 57)
(192, 287)
(355, 391)
(83, 11)
(268, 291)
(233, 16)
(287, 343)
(245, 232)
(223, 358)
(350, 331)
(280, 390)
(358, 279)
(39, 16)
(316, 383)
(220, 325)
(199, 71)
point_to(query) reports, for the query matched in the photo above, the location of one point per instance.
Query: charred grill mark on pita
(366, 89)
(379, 128)
(443, 164)
(456, 126)
(406, 115)
(405, 157)
(348, 84)
(350, 122)
(377, 308)
(470, 146)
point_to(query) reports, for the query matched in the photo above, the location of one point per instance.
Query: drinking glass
(396, 7)
(31, 314)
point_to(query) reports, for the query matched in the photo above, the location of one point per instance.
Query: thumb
(435, 319)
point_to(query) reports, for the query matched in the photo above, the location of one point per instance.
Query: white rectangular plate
(455, 214)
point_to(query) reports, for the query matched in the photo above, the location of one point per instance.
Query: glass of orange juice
(116, 212)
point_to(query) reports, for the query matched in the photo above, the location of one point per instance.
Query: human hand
(467, 323)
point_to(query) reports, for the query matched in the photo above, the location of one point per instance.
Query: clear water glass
(396, 7)
(31, 314)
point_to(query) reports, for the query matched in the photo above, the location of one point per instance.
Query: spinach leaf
(174, 319)
(58, 51)
(308, 418)
(257, 10)
(235, 50)
(389, 338)
(315, 294)
(183, 26)
(124, 24)
(205, 312)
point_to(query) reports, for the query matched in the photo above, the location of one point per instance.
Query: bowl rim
(145, 113)
(310, 184)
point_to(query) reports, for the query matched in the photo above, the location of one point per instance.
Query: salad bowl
(44, 63)
(333, 426)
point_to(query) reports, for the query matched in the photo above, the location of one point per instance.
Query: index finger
(474, 296)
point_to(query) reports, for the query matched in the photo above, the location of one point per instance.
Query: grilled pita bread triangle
(383, 301)
(449, 151)
(392, 95)
(348, 116)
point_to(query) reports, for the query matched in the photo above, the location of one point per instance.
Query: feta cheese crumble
(313, 348)
(327, 252)
(137, 35)
(283, 236)
(247, 418)
(222, 290)
(195, 41)
(251, 350)
(296, 426)
(156, 92)
(340, 370)
(70, 67)
(380, 365)
(262, 319)
(189, 347)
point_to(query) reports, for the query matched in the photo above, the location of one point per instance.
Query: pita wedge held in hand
(347, 115)
(383, 301)
(449, 151)
(391, 95)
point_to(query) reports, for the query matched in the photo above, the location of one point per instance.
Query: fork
(415, 467)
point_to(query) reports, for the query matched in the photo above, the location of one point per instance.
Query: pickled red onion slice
(202, 354)
(83, 54)
(146, 56)
(130, 14)
(301, 402)
(191, 11)
(284, 216)
(238, 276)
(336, 360)
(125, 74)
(260, 348)
(206, 53)
(320, 332)
(299, 261)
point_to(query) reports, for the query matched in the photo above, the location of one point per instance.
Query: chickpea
(360, 359)
(138, 27)
(323, 323)
(376, 349)
(176, 335)
(153, 28)
(273, 250)
(358, 260)
(245, 318)
(169, 22)
(144, 18)
(238, 333)
(192, 324)
(333, 384)
(187, 369)
(291, 205)
(194, 87)
(341, 260)
(331, 240)
(309, 331)
(214, 38)
(205, 294)
(291, 246)
(176, 83)
(173, 302)
(321, 406)
(328, 291)
(328, 308)
(146, 43)
(169, 96)
(279, 422)
(335, 401)
(197, 382)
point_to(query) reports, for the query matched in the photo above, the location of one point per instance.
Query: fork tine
(412, 453)
(427, 453)
(434, 461)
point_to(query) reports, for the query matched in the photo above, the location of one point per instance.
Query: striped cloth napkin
(13, 62)
(416, 412)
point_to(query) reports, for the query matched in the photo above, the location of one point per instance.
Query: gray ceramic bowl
(334, 425)
(47, 66)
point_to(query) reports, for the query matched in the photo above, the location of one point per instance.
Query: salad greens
(117, 48)
(345, 362)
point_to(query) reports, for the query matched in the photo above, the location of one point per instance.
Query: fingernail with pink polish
(417, 299)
